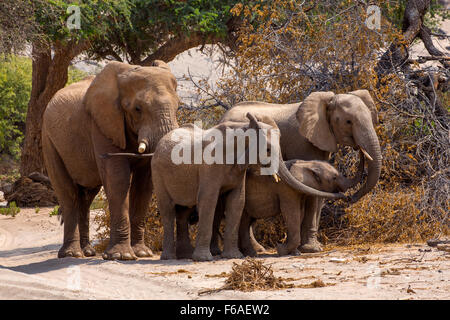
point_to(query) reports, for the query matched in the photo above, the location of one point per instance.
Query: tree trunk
(48, 76)
(413, 27)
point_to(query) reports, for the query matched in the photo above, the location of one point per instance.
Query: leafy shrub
(15, 89)
(12, 210)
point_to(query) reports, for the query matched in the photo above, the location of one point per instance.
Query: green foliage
(75, 75)
(12, 210)
(51, 17)
(150, 23)
(15, 87)
(54, 212)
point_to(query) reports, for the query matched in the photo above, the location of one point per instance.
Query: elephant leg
(292, 215)
(245, 245)
(234, 206)
(168, 214)
(116, 181)
(255, 244)
(67, 193)
(206, 206)
(140, 195)
(87, 196)
(310, 225)
(184, 248)
(218, 216)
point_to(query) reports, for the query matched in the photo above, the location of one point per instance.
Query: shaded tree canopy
(137, 31)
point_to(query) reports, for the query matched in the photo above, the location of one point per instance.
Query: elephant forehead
(148, 78)
(349, 101)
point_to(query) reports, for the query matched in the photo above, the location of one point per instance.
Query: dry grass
(253, 275)
(250, 275)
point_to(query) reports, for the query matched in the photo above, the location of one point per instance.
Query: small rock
(338, 260)
(2, 196)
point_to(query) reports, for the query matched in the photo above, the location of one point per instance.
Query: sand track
(29, 269)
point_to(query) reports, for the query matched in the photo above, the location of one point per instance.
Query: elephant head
(283, 172)
(327, 119)
(319, 175)
(133, 106)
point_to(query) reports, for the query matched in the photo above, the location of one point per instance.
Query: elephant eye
(349, 121)
(138, 108)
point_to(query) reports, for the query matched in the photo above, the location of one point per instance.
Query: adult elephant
(312, 129)
(125, 108)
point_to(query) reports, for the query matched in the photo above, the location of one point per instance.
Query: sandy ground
(29, 269)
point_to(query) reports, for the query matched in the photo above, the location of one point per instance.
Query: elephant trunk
(369, 142)
(148, 137)
(287, 177)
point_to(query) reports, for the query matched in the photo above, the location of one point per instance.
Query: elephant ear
(368, 101)
(102, 103)
(313, 120)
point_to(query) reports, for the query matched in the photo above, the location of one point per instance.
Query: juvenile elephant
(265, 198)
(312, 129)
(200, 183)
(125, 108)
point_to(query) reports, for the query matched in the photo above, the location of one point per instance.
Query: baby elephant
(198, 179)
(265, 197)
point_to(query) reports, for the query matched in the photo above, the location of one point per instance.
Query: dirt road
(29, 269)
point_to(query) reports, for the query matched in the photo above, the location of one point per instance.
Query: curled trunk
(370, 143)
(287, 177)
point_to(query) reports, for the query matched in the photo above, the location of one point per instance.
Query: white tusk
(366, 154)
(276, 177)
(142, 147)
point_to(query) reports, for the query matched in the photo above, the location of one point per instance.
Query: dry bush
(386, 215)
(288, 49)
(253, 275)
(270, 231)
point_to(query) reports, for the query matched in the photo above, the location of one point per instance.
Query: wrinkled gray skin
(179, 187)
(123, 107)
(311, 130)
(264, 197)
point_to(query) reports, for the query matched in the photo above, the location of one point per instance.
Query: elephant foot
(141, 250)
(232, 254)
(184, 251)
(284, 250)
(202, 255)
(312, 246)
(119, 252)
(71, 249)
(249, 252)
(88, 250)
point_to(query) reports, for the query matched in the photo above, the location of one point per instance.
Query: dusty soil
(29, 269)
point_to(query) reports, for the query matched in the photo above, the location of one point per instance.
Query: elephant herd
(117, 130)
